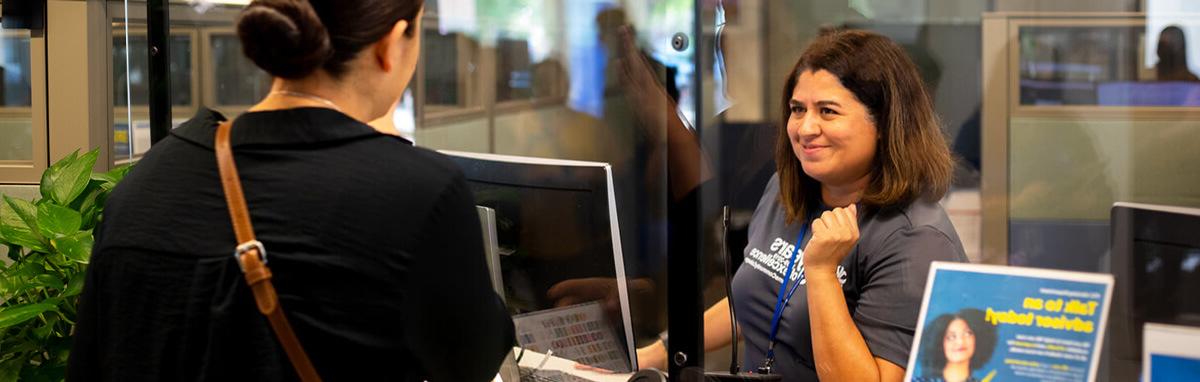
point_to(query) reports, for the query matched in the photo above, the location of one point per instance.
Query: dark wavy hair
(293, 38)
(932, 340)
(912, 159)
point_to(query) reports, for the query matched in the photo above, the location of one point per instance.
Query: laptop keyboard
(529, 374)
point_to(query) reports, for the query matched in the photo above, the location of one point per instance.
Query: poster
(996, 323)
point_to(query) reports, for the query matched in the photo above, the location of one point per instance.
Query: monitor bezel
(575, 176)
(1131, 223)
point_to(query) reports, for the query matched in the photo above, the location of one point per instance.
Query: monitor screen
(546, 236)
(1155, 258)
(561, 266)
(1167, 278)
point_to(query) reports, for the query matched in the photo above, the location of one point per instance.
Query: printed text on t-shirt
(774, 263)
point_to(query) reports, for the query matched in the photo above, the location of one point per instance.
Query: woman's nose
(809, 126)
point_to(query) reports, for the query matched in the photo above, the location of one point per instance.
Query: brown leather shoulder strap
(252, 258)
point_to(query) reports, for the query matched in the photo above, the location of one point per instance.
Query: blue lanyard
(783, 299)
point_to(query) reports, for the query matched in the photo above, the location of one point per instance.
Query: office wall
(1066, 5)
(744, 49)
(553, 131)
(470, 135)
(1075, 168)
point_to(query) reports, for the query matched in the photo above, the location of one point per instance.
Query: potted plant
(49, 240)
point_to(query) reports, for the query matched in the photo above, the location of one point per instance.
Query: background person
(1172, 56)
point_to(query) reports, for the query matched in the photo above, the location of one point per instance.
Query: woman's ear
(387, 49)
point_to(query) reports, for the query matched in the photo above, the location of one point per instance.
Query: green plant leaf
(7, 285)
(92, 187)
(75, 286)
(118, 174)
(76, 247)
(21, 277)
(25, 269)
(54, 173)
(67, 178)
(101, 177)
(47, 328)
(18, 212)
(22, 237)
(57, 221)
(45, 372)
(90, 203)
(10, 369)
(60, 349)
(17, 283)
(50, 281)
(13, 315)
(18, 224)
(113, 176)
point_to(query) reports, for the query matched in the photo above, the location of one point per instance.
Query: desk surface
(533, 359)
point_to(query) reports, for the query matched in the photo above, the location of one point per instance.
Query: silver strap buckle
(246, 247)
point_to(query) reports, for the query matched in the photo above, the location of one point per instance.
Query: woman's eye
(797, 110)
(828, 111)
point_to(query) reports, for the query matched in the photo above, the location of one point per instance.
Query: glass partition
(1106, 113)
(592, 80)
(1134, 63)
(131, 85)
(206, 69)
(16, 115)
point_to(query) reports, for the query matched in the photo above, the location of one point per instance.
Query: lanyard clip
(768, 365)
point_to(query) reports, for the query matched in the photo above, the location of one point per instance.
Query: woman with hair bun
(374, 244)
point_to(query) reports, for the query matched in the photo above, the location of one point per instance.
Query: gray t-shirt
(883, 279)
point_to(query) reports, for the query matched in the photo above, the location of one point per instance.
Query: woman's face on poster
(959, 342)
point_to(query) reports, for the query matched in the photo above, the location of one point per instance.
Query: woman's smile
(811, 151)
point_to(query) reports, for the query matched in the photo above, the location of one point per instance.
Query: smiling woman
(850, 217)
(831, 133)
(863, 79)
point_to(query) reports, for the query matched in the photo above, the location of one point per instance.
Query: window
(236, 82)
(16, 122)
(131, 85)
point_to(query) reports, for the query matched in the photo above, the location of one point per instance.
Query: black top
(375, 247)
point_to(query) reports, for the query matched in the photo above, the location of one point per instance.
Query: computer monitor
(491, 249)
(1156, 263)
(561, 263)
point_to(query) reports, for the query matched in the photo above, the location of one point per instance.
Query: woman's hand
(834, 235)
(652, 356)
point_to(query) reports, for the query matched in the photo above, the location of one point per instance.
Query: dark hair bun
(284, 37)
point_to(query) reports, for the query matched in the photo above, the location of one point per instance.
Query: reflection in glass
(552, 78)
(513, 76)
(131, 86)
(138, 74)
(238, 81)
(442, 81)
(16, 118)
(1101, 65)
(1172, 52)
